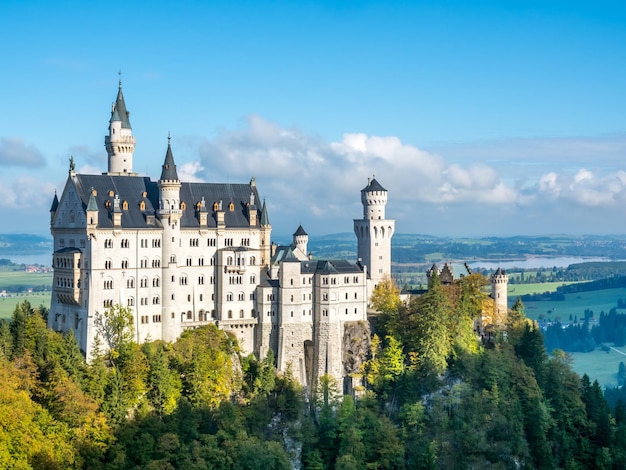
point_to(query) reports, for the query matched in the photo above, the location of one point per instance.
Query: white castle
(181, 255)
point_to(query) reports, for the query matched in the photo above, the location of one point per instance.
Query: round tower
(120, 143)
(373, 233)
(170, 213)
(301, 240)
(499, 293)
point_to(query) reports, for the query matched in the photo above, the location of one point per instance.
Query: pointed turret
(92, 212)
(168, 172)
(120, 143)
(54, 207)
(265, 219)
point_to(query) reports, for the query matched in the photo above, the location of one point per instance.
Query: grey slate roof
(169, 167)
(330, 267)
(119, 112)
(92, 205)
(55, 203)
(132, 189)
(265, 219)
(373, 186)
(300, 231)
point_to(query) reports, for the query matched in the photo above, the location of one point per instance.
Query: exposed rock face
(356, 346)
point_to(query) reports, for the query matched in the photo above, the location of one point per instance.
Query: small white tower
(120, 143)
(499, 285)
(374, 232)
(300, 242)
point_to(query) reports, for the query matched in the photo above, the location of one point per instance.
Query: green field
(515, 290)
(599, 365)
(13, 279)
(574, 304)
(7, 304)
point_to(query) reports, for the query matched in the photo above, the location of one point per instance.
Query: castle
(180, 255)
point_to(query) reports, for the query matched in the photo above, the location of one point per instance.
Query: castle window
(229, 297)
(346, 296)
(108, 284)
(291, 282)
(125, 243)
(130, 283)
(156, 318)
(108, 243)
(156, 263)
(156, 300)
(325, 296)
(292, 298)
(189, 315)
(201, 297)
(156, 282)
(173, 315)
(131, 302)
(144, 319)
(253, 279)
(156, 243)
(252, 260)
(201, 280)
(144, 282)
(194, 242)
(173, 259)
(183, 280)
(107, 264)
(251, 295)
(229, 260)
(188, 297)
(241, 313)
(144, 263)
(230, 314)
(241, 296)
(356, 295)
(346, 311)
(211, 242)
(188, 261)
(124, 264)
(200, 261)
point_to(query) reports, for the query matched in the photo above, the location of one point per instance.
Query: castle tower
(300, 242)
(120, 143)
(499, 285)
(266, 233)
(170, 214)
(374, 232)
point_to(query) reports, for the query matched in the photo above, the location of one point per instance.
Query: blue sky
(480, 118)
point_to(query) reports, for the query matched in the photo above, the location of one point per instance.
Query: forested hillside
(435, 395)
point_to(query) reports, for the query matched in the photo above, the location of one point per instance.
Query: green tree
(115, 327)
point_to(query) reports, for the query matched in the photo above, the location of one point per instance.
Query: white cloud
(16, 152)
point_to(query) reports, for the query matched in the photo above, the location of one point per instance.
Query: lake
(535, 263)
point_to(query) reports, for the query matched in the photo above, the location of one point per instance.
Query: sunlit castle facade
(181, 255)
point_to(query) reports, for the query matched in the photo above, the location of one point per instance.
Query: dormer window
(215, 206)
(183, 206)
(142, 206)
(231, 207)
(111, 193)
(125, 205)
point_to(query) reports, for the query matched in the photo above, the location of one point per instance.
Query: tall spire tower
(170, 212)
(120, 143)
(374, 232)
